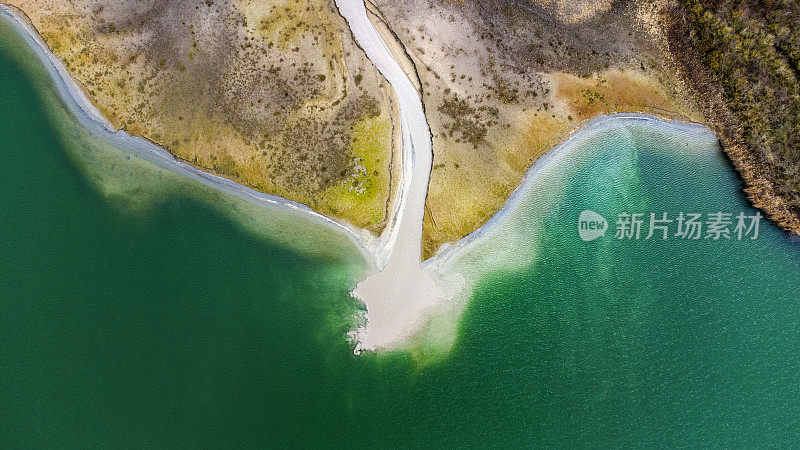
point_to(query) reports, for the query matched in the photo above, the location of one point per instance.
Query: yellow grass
(170, 106)
(362, 196)
(463, 198)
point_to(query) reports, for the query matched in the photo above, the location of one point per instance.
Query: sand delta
(399, 297)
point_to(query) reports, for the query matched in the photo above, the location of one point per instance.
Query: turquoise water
(141, 309)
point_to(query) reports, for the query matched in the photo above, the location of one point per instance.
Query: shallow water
(139, 308)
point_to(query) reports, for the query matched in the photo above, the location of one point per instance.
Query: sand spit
(390, 311)
(402, 302)
(399, 294)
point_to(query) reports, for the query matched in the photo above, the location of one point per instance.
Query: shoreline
(540, 166)
(765, 184)
(386, 297)
(440, 289)
(89, 116)
(21, 22)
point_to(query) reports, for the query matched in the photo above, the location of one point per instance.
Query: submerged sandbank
(559, 154)
(434, 297)
(400, 297)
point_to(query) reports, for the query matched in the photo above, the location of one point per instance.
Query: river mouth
(176, 323)
(402, 296)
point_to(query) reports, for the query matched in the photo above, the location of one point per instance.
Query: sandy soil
(275, 95)
(501, 85)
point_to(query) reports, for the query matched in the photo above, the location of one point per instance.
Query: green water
(137, 313)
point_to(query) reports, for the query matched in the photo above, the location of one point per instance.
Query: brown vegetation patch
(266, 93)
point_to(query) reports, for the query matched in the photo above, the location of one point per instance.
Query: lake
(142, 308)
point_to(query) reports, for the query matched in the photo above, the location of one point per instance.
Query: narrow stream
(402, 241)
(397, 295)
